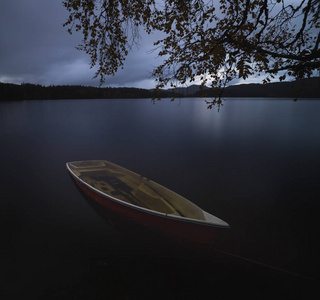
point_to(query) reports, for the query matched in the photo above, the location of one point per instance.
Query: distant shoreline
(303, 88)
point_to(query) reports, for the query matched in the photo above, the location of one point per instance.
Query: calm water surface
(255, 164)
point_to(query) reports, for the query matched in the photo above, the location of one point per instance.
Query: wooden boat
(142, 201)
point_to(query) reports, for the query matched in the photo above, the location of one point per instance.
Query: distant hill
(304, 88)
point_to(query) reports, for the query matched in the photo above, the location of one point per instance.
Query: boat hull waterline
(144, 202)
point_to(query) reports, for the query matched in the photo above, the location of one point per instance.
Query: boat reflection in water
(133, 203)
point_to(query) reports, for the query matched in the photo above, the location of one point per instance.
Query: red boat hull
(178, 230)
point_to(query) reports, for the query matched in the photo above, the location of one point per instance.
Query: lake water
(254, 164)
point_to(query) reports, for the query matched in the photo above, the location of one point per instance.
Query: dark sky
(36, 48)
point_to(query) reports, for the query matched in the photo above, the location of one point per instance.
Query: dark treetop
(304, 88)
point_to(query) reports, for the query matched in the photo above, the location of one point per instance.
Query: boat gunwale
(147, 210)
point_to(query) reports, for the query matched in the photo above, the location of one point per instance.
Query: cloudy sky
(36, 48)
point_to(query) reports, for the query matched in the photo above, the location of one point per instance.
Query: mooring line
(268, 266)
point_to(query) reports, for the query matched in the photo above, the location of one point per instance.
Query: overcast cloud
(36, 48)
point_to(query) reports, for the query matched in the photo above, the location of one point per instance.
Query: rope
(268, 266)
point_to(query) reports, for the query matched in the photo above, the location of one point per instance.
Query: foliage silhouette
(213, 41)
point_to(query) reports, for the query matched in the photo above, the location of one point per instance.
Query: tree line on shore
(27, 91)
(304, 88)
